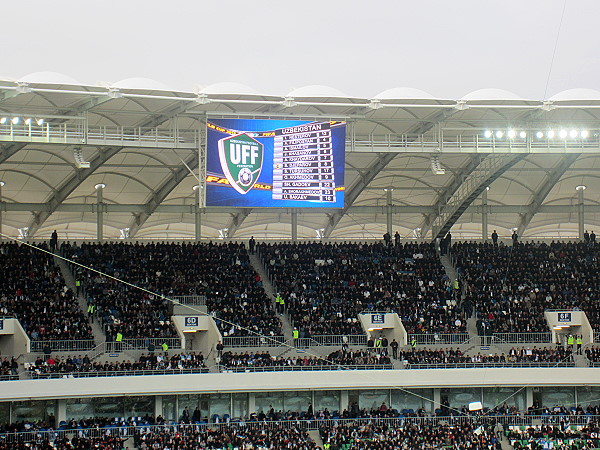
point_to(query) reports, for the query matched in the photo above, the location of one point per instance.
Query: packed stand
(325, 286)
(558, 437)
(145, 365)
(542, 356)
(43, 442)
(220, 272)
(33, 290)
(593, 356)
(504, 282)
(343, 359)
(224, 437)
(413, 436)
(9, 368)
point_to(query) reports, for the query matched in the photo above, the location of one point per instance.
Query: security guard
(91, 311)
(579, 344)
(570, 341)
(119, 340)
(295, 335)
(413, 343)
(165, 347)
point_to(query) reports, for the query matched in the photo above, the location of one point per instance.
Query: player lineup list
(303, 163)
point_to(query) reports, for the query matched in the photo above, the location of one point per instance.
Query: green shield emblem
(241, 159)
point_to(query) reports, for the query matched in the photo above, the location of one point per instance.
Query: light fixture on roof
(488, 134)
(15, 120)
(320, 233)
(584, 134)
(581, 188)
(100, 186)
(436, 167)
(511, 134)
(40, 122)
(23, 233)
(550, 134)
(223, 233)
(2, 183)
(573, 134)
(523, 134)
(417, 233)
(3, 120)
(562, 134)
(80, 162)
(487, 188)
(499, 134)
(539, 134)
(124, 233)
(195, 188)
(28, 121)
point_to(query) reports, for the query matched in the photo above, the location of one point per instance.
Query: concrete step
(98, 332)
(449, 267)
(270, 291)
(314, 434)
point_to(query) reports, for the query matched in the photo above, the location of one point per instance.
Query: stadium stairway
(270, 291)
(315, 436)
(99, 336)
(449, 267)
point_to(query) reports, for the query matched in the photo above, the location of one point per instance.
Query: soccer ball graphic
(245, 176)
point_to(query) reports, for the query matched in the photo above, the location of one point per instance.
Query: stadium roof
(137, 134)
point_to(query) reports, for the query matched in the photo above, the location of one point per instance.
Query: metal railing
(523, 338)
(143, 344)
(331, 340)
(441, 338)
(73, 345)
(305, 368)
(126, 431)
(116, 373)
(253, 341)
(197, 300)
(473, 365)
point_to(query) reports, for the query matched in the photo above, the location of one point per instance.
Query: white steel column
(388, 197)
(484, 214)
(580, 212)
(1, 184)
(197, 216)
(99, 211)
(294, 224)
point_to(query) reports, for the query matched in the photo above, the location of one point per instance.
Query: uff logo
(241, 158)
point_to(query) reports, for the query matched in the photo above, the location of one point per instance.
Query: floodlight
(539, 135)
(15, 120)
(28, 121)
(550, 134)
(511, 134)
(522, 134)
(573, 134)
(100, 186)
(40, 122)
(581, 188)
(499, 134)
(2, 183)
(3, 120)
(562, 134)
(487, 134)
(584, 134)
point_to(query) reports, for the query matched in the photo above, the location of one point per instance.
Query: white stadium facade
(127, 163)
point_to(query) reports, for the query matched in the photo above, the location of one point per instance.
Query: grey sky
(447, 48)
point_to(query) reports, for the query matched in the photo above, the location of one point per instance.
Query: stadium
(223, 268)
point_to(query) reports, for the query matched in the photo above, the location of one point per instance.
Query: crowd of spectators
(528, 355)
(413, 436)
(557, 437)
(33, 290)
(325, 286)
(511, 286)
(225, 437)
(78, 365)
(593, 355)
(105, 442)
(249, 360)
(220, 272)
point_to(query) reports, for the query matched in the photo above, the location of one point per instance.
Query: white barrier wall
(564, 322)
(295, 381)
(387, 324)
(13, 339)
(199, 331)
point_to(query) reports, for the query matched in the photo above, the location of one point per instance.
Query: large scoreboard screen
(275, 163)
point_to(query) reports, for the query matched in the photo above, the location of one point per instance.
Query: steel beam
(554, 177)
(236, 221)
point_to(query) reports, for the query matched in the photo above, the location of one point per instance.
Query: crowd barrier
(523, 338)
(253, 341)
(442, 338)
(306, 368)
(472, 365)
(73, 345)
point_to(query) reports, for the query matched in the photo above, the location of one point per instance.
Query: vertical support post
(294, 224)
(580, 212)
(484, 215)
(99, 211)
(158, 406)
(197, 216)
(1, 184)
(61, 410)
(388, 195)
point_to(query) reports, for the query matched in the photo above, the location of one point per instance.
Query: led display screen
(275, 163)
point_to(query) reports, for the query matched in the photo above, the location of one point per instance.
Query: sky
(446, 48)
